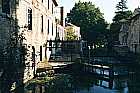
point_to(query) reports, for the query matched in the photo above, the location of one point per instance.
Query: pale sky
(106, 6)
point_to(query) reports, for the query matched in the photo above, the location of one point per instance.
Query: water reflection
(70, 83)
(64, 83)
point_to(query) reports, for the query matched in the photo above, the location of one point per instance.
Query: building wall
(134, 35)
(75, 29)
(123, 35)
(35, 37)
(61, 33)
(77, 32)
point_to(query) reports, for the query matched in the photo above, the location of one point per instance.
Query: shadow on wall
(12, 60)
(12, 49)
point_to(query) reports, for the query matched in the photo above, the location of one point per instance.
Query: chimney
(62, 16)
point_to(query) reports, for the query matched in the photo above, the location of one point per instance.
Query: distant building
(75, 29)
(60, 23)
(60, 33)
(134, 32)
(123, 34)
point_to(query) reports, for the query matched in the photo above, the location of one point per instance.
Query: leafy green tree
(121, 15)
(122, 11)
(89, 19)
(70, 34)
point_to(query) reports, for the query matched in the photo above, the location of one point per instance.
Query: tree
(121, 13)
(89, 19)
(121, 6)
(70, 34)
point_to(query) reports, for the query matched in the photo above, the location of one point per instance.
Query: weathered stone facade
(123, 34)
(134, 32)
(37, 19)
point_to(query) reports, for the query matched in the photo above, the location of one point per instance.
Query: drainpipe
(62, 16)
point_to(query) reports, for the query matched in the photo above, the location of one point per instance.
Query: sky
(107, 7)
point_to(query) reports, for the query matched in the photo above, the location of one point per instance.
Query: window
(42, 23)
(29, 19)
(42, 1)
(48, 4)
(6, 6)
(52, 8)
(52, 28)
(48, 26)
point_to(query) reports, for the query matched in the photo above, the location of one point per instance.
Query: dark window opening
(48, 26)
(42, 1)
(45, 52)
(52, 8)
(40, 53)
(29, 19)
(48, 4)
(6, 6)
(42, 23)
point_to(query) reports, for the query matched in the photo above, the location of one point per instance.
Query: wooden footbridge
(107, 67)
(67, 52)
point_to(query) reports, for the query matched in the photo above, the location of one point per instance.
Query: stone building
(75, 29)
(60, 22)
(134, 32)
(123, 34)
(35, 20)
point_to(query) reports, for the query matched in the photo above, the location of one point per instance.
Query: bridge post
(111, 72)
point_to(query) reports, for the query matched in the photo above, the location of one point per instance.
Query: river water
(76, 83)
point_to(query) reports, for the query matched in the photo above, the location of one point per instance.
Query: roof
(55, 2)
(70, 24)
(135, 13)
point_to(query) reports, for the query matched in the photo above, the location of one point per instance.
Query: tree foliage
(121, 6)
(70, 34)
(89, 19)
(122, 13)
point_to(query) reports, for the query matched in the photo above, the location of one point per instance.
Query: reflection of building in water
(134, 82)
(115, 84)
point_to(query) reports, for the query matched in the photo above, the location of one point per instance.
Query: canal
(84, 83)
